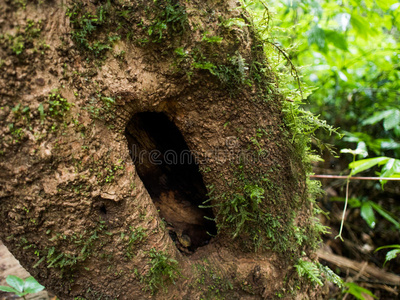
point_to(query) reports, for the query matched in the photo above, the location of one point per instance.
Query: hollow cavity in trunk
(172, 178)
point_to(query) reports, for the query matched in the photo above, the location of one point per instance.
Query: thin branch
(353, 178)
(344, 209)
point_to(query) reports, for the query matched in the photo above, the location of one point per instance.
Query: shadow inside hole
(172, 178)
(103, 209)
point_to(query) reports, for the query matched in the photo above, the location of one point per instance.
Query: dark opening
(172, 178)
(103, 209)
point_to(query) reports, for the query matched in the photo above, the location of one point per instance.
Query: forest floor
(355, 258)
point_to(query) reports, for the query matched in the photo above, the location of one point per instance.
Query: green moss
(25, 38)
(95, 30)
(168, 19)
(86, 26)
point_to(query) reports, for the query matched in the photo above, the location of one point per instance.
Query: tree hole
(172, 178)
(103, 209)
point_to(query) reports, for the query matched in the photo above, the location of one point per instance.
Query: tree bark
(88, 90)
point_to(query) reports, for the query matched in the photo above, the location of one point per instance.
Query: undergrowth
(163, 271)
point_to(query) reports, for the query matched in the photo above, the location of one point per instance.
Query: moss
(96, 29)
(168, 19)
(26, 37)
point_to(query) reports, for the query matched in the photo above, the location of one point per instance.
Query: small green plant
(86, 26)
(21, 287)
(110, 172)
(136, 235)
(58, 105)
(16, 132)
(309, 270)
(392, 253)
(163, 270)
(390, 168)
(24, 38)
(17, 45)
(245, 211)
(357, 291)
(368, 209)
(170, 18)
(314, 271)
(67, 261)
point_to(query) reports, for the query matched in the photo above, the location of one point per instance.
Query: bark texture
(82, 82)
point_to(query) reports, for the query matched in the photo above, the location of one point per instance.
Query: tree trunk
(144, 153)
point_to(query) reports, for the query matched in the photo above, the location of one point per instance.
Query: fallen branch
(360, 269)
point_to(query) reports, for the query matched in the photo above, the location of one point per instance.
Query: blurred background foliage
(346, 54)
(349, 52)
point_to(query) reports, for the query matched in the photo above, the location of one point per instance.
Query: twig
(344, 209)
(370, 271)
(353, 177)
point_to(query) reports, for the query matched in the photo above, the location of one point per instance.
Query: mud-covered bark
(75, 209)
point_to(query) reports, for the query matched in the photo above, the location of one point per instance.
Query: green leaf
(367, 213)
(8, 289)
(364, 164)
(376, 117)
(309, 270)
(330, 275)
(358, 151)
(392, 254)
(336, 39)
(180, 52)
(31, 286)
(385, 214)
(16, 282)
(353, 202)
(392, 120)
(391, 167)
(361, 26)
(316, 35)
(357, 291)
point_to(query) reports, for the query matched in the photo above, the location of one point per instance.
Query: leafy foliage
(136, 235)
(315, 272)
(85, 25)
(390, 166)
(350, 51)
(21, 287)
(163, 270)
(357, 291)
(310, 270)
(392, 253)
(170, 17)
(330, 275)
(58, 105)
